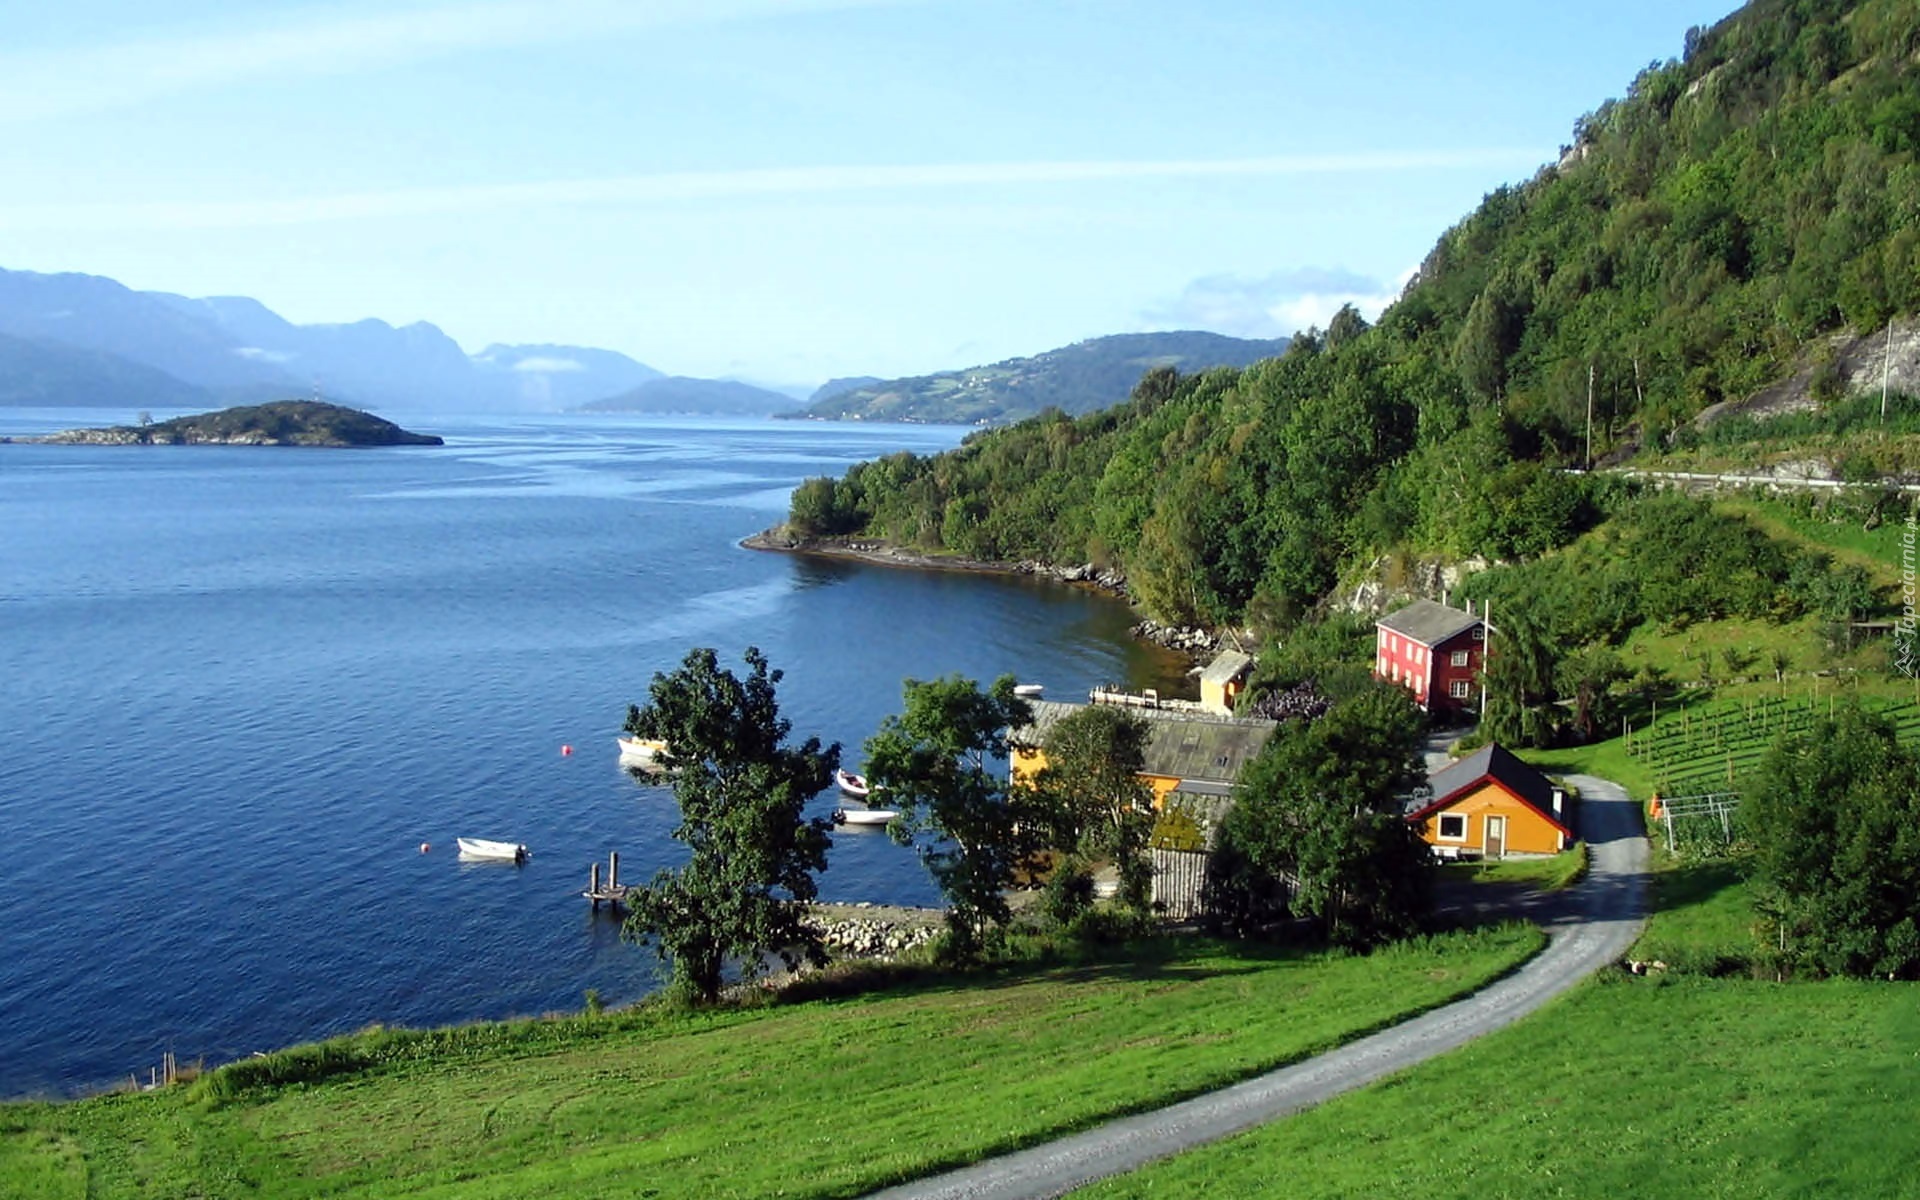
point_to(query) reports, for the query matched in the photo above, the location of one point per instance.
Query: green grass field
(825, 1098)
(1674, 1085)
(1553, 874)
(1674, 1088)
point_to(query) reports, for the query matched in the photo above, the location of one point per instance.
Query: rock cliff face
(288, 423)
(1842, 364)
(1390, 582)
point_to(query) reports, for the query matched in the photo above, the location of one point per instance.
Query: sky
(789, 190)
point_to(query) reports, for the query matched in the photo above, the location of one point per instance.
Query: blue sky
(787, 190)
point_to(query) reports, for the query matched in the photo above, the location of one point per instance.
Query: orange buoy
(565, 750)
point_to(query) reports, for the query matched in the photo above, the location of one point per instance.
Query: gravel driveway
(1604, 915)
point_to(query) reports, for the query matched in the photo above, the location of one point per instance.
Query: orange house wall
(1527, 833)
(1028, 763)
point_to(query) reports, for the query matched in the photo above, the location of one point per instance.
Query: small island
(282, 423)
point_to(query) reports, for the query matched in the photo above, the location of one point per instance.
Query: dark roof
(1183, 744)
(1497, 763)
(1428, 622)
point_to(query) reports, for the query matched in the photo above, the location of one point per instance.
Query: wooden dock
(612, 893)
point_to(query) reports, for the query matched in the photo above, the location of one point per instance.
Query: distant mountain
(1084, 377)
(93, 313)
(238, 349)
(840, 387)
(48, 374)
(679, 394)
(413, 366)
(285, 423)
(550, 377)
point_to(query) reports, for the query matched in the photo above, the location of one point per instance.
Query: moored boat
(863, 816)
(852, 785)
(487, 848)
(1028, 691)
(641, 753)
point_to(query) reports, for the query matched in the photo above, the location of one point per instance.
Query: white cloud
(36, 84)
(548, 366)
(672, 187)
(1275, 305)
(261, 355)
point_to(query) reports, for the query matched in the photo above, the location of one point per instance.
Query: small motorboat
(1028, 691)
(484, 848)
(852, 785)
(641, 753)
(863, 816)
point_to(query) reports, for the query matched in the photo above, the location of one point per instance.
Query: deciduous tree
(937, 761)
(741, 789)
(1100, 807)
(1833, 815)
(1320, 812)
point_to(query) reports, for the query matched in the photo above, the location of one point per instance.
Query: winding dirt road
(1601, 918)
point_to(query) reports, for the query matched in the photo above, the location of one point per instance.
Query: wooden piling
(613, 894)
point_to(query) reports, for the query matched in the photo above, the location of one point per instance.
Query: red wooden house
(1433, 651)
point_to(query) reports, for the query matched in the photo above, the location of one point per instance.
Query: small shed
(1492, 805)
(1223, 680)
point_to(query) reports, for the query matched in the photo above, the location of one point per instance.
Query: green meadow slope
(827, 1098)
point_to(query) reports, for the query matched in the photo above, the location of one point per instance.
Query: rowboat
(1028, 691)
(863, 816)
(851, 784)
(483, 848)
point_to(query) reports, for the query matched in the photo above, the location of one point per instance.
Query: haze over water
(243, 685)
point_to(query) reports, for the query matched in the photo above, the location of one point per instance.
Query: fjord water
(243, 686)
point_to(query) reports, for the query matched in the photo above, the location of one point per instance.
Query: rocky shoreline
(1186, 639)
(873, 930)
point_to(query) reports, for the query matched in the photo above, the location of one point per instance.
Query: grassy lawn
(1627, 1087)
(825, 1098)
(1703, 920)
(1878, 549)
(1679, 1084)
(1553, 874)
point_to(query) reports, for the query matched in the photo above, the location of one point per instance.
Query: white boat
(1028, 690)
(642, 753)
(863, 816)
(483, 848)
(851, 784)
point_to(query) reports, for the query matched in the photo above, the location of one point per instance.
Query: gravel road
(1602, 917)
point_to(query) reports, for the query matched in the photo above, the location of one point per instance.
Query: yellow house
(1491, 805)
(1196, 753)
(1191, 760)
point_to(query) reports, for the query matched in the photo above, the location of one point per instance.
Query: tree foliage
(1098, 807)
(741, 789)
(1318, 818)
(1833, 816)
(938, 761)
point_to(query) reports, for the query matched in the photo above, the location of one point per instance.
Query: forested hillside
(1740, 201)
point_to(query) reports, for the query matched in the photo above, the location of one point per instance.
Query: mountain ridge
(1088, 375)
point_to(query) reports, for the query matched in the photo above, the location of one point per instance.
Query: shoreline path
(1601, 917)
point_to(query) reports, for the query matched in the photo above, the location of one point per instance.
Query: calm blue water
(240, 687)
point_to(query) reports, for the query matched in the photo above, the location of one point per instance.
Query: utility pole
(1486, 648)
(1590, 416)
(1886, 368)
